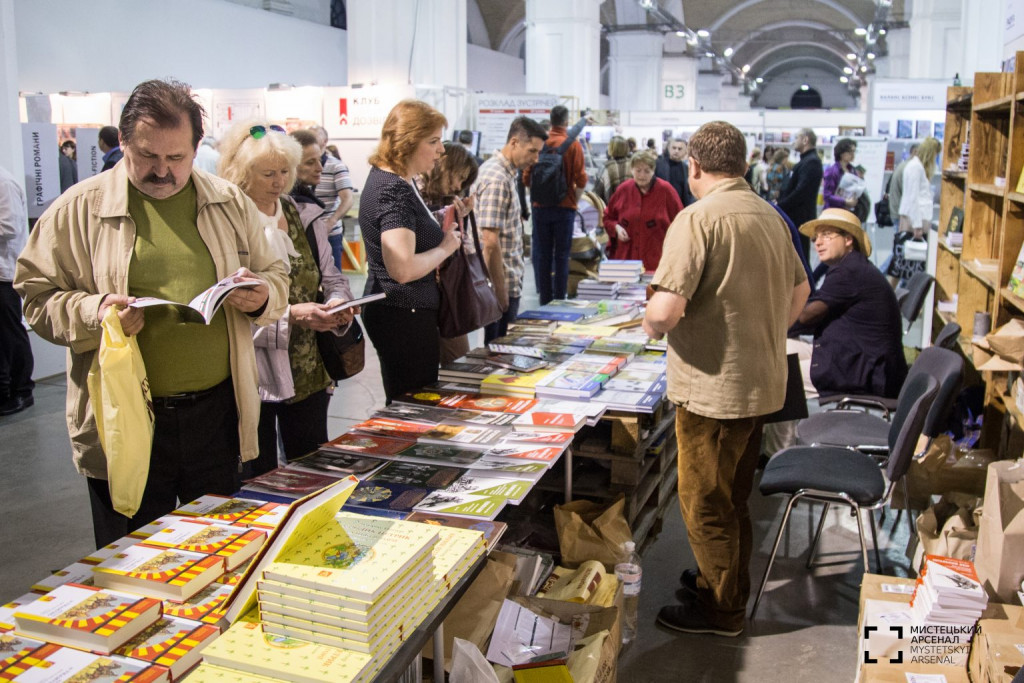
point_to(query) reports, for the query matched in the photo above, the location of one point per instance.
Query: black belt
(185, 400)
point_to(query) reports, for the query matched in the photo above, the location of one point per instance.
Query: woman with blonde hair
(915, 209)
(405, 244)
(616, 169)
(261, 159)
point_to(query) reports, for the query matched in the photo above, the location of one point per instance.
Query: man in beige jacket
(155, 226)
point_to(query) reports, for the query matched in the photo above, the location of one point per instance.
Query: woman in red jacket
(639, 213)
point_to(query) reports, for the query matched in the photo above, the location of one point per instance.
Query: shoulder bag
(468, 299)
(343, 355)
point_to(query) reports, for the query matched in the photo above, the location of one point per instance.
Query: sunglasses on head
(259, 131)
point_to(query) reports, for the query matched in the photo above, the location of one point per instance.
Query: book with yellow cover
(8, 609)
(304, 518)
(378, 651)
(86, 617)
(245, 647)
(355, 555)
(171, 642)
(109, 550)
(13, 646)
(572, 330)
(208, 673)
(505, 382)
(235, 544)
(161, 572)
(456, 549)
(206, 606)
(54, 664)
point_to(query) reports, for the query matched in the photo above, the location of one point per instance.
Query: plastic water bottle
(630, 574)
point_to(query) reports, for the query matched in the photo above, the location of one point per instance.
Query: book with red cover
(524, 452)
(289, 483)
(386, 426)
(380, 446)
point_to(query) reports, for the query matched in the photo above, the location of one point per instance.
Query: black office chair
(913, 302)
(948, 336)
(838, 475)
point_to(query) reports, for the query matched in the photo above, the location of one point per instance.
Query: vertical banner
(232, 106)
(90, 158)
(42, 175)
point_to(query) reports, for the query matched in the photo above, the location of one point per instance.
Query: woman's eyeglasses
(258, 132)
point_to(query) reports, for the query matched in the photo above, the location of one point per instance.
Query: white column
(563, 49)
(936, 44)
(635, 70)
(10, 126)
(407, 42)
(982, 25)
(678, 83)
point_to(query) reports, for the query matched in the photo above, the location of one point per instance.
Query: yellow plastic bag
(123, 405)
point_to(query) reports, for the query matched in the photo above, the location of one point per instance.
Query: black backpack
(548, 186)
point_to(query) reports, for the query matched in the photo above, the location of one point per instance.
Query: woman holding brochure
(405, 244)
(262, 159)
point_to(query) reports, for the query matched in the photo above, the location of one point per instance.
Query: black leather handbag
(343, 355)
(468, 299)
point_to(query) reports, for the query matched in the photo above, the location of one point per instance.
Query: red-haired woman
(404, 245)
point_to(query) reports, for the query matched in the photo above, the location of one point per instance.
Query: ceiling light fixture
(746, 68)
(805, 87)
(870, 55)
(681, 34)
(647, 4)
(704, 33)
(847, 70)
(709, 54)
(728, 52)
(759, 79)
(881, 31)
(860, 31)
(844, 79)
(851, 56)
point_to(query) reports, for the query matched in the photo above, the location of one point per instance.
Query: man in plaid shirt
(500, 216)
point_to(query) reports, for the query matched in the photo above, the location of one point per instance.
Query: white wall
(493, 71)
(778, 91)
(206, 43)
(310, 10)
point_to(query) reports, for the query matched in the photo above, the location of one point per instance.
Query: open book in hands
(202, 308)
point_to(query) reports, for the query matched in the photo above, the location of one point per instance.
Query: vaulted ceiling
(771, 36)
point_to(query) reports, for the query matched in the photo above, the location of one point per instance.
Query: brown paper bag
(942, 469)
(592, 531)
(1000, 557)
(475, 614)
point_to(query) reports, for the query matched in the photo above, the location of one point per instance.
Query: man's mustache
(157, 180)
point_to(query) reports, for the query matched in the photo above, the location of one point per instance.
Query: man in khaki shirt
(728, 286)
(155, 226)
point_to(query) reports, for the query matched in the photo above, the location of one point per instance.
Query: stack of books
(354, 584)
(948, 591)
(597, 289)
(633, 292)
(469, 371)
(620, 270)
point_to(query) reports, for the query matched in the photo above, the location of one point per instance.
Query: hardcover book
(462, 504)
(382, 494)
(383, 426)
(415, 474)
(86, 617)
(235, 544)
(336, 464)
(491, 530)
(54, 664)
(8, 609)
(171, 642)
(170, 574)
(455, 455)
(223, 509)
(354, 555)
(79, 573)
(245, 647)
(379, 446)
(289, 483)
(206, 606)
(463, 436)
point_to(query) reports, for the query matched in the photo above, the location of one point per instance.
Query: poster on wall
(495, 112)
(359, 113)
(42, 174)
(90, 158)
(231, 106)
(295, 108)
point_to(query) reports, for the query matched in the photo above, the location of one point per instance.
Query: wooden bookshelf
(991, 117)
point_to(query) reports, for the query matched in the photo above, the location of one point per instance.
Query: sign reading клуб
(42, 166)
(359, 113)
(496, 111)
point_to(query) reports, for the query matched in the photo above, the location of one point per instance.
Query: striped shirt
(333, 180)
(497, 208)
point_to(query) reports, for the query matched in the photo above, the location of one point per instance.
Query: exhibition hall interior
(700, 361)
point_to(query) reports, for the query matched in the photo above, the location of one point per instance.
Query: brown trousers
(717, 461)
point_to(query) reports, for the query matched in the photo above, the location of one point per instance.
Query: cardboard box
(880, 587)
(889, 632)
(899, 673)
(995, 652)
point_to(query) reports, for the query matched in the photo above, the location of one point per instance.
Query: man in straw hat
(854, 316)
(728, 286)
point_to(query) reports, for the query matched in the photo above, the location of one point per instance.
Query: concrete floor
(805, 630)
